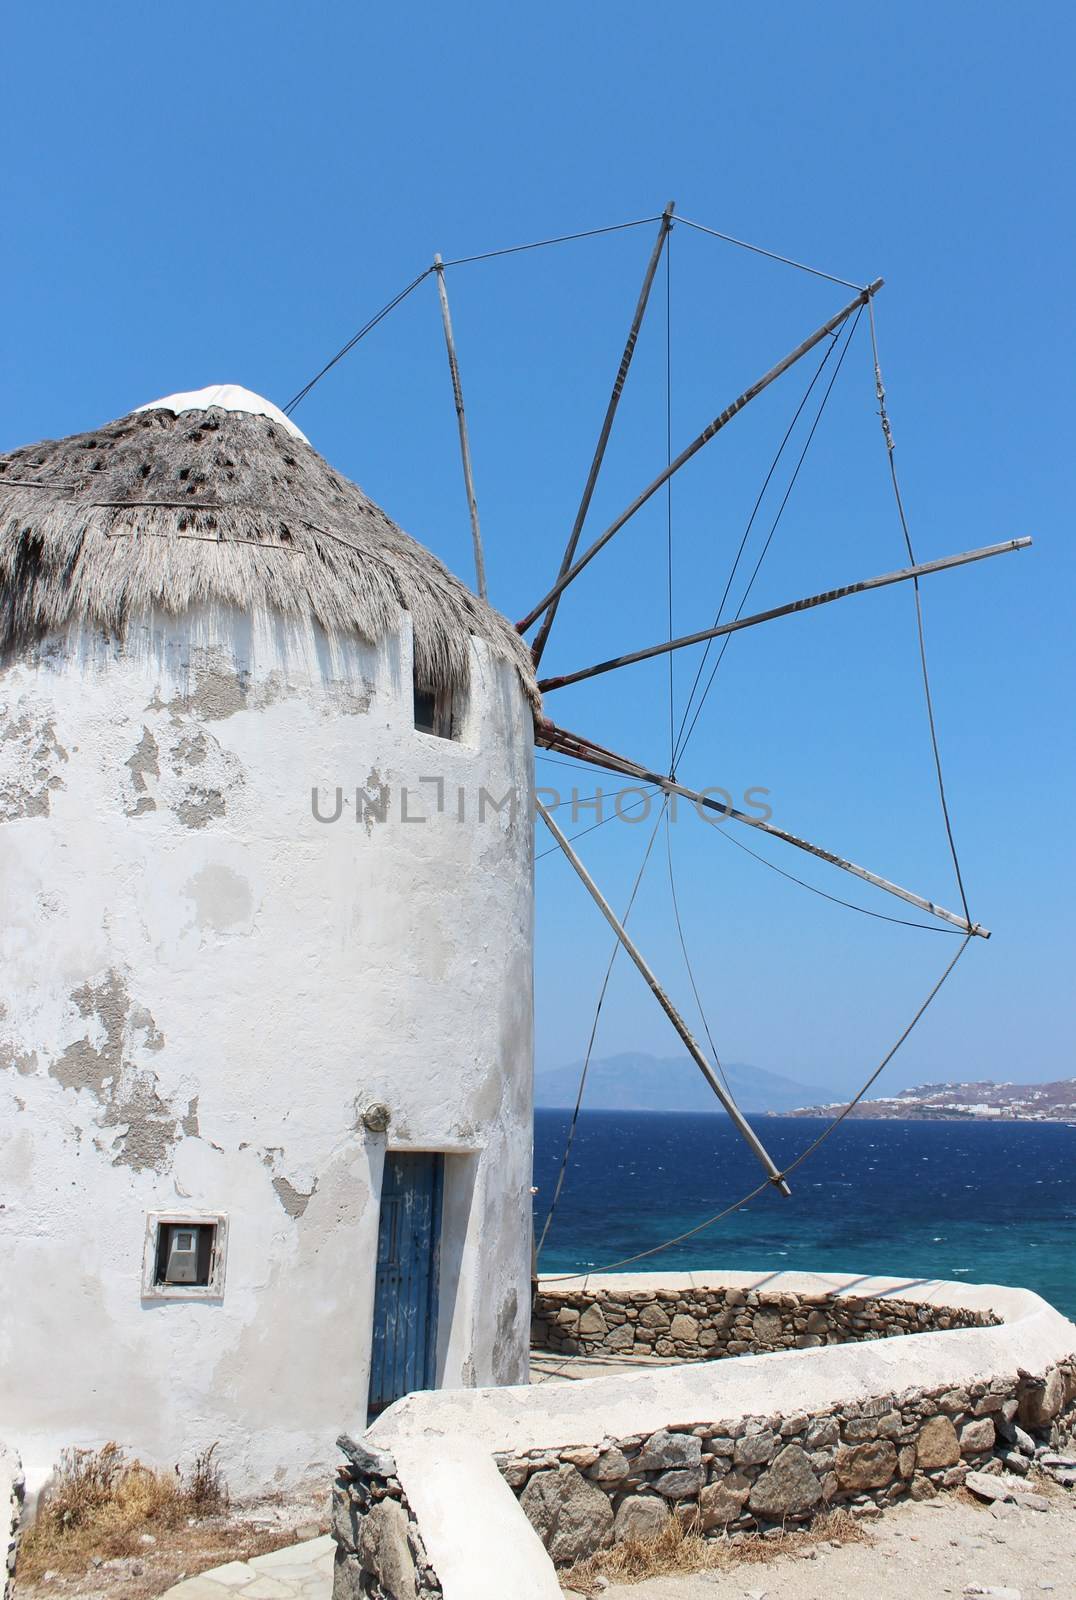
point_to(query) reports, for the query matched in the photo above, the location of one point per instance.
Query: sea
(976, 1201)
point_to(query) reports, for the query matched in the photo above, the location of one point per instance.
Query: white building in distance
(266, 990)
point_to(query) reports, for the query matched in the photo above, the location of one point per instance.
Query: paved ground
(918, 1552)
(546, 1367)
(298, 1572)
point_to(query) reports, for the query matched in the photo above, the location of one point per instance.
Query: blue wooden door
(404, 1354)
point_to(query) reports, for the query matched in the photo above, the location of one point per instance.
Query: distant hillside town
(961, 1102)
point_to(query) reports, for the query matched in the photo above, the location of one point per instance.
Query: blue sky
(225, 193)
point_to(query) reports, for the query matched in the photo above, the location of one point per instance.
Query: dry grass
(101, 1504)
(680, 1548)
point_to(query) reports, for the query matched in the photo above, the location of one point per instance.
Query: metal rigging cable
(757, 250)
(459, 261)
(751, 520)
(887, 433)
(719, 1216)
(590, 1042)
(686, 735)
(366, 328)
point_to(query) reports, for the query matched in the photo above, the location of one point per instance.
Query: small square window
(435, 712)
(184, 1256)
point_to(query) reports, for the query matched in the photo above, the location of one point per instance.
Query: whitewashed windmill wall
(205, 987)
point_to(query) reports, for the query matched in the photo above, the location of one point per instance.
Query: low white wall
(201, 989)
(477, 1537)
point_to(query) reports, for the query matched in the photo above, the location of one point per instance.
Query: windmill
(537, 625)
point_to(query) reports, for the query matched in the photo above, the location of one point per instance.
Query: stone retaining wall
(506, 1484)
(710, 1323)
(763, 1473)
(12, 1494)
(379, 1550)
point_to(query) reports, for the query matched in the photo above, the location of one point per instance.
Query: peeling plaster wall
(202, 988)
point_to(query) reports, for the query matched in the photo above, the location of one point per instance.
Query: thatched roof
(164, 510)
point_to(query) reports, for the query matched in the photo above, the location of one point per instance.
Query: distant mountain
(637, 1082)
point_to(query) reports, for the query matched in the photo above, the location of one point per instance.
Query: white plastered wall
(204, 986)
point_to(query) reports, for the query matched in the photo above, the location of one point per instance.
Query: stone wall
(709, 1323)
(379, 1550)
(756, 1474)
(12, 1494)
(506, 1484)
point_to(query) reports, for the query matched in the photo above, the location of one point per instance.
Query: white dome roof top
(225, 397)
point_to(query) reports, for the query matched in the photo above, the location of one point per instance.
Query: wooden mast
(607, 425)
(943, 564)
(689, 1041)
(579, 748)
(461, 419)
(696, 444)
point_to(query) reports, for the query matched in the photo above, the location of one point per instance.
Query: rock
(1040, 1403)
(679, 1483)
(592, 1324)
(823, 1433)
(1049, 1459)
(376, 1462)
(989, 1486)
(767, 1327)
(652, 1316)
(664, 1450)
(622, 1338)
(755, 1449)
(866, 1466)
(383, 1548)
(937, 1445)
(1023, 1442)
(1030, 1502)
(723, 1500)
(996, 1591)
(906, 1460)
(684, 1328)
(817, 1322)
(573, 1518)
(1015, 1462)
(12, 1498)
(788, 1485)
(640, 1516)
(975, 1437)
(610, 1467)
(859, 1429)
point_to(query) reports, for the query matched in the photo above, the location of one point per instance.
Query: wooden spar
(943, 564)
(610, 412)
(465, 446)
(704, 437)
(666, 1005)
(551, 737)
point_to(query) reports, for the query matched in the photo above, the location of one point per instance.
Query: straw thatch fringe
(239, 513)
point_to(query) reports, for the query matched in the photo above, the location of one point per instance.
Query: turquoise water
(989, 1203)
